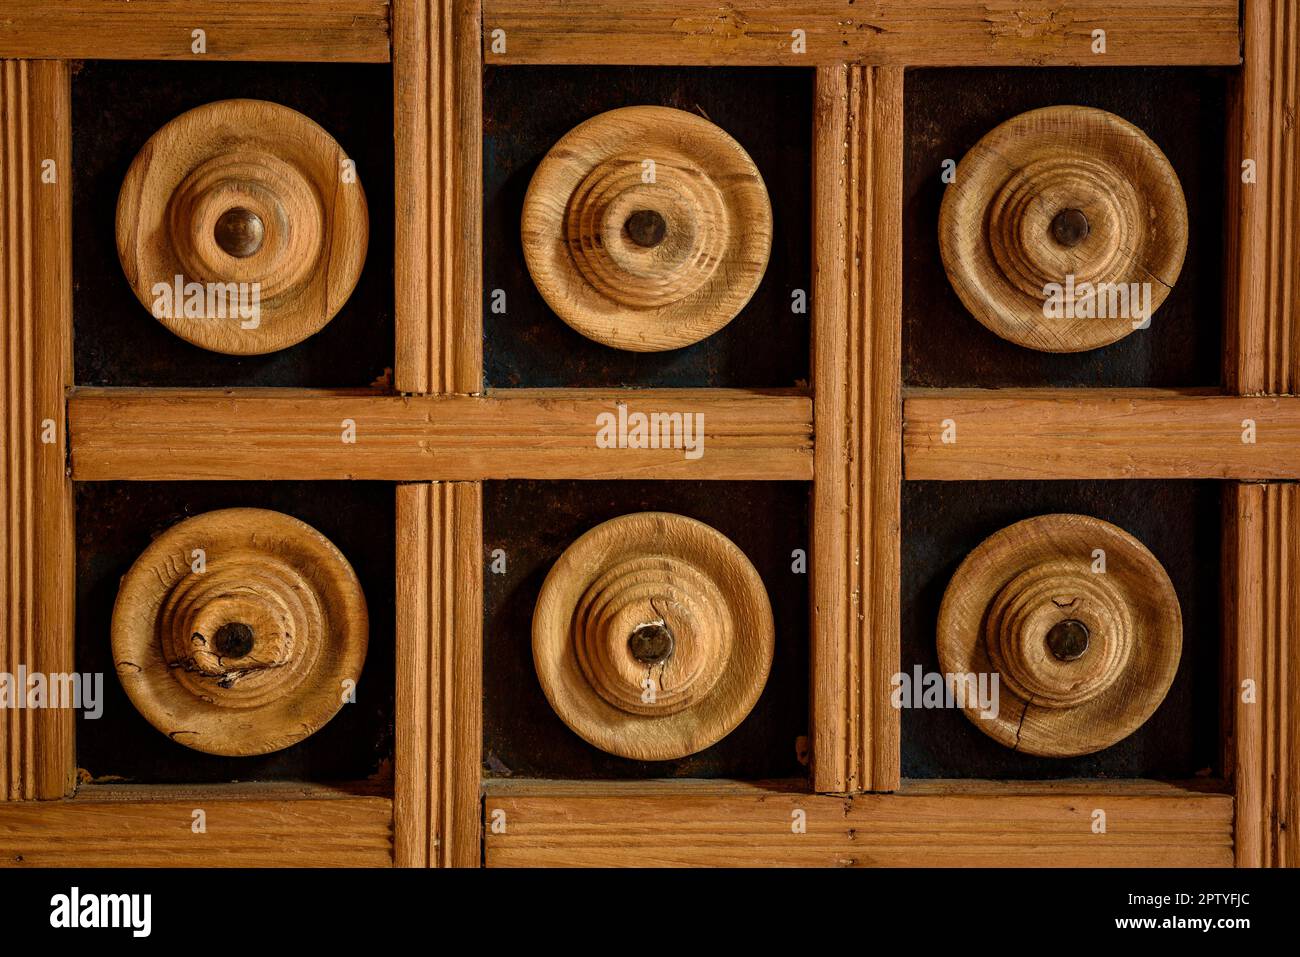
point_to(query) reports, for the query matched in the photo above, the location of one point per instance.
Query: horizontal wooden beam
(904, 32)
(966, 434)
(257, 434)
(956, 824)
(296, 30)
(240, 826)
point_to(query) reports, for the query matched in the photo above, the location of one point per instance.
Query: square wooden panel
(855, 433)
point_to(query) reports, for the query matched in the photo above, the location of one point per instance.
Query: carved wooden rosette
(1084, 656)
(647, 228)
(653, 636)
(242, 192)
(1060, 192)
(251, 654)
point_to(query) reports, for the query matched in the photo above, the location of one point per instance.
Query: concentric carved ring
(1063, 229)
(653, 636)
(646, 228)
(237, 631)
(1080, 623)
(242, 227)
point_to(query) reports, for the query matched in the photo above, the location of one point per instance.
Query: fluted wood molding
(439, 674)
(36, 538)
(437, 79)
(1263, 740)
(1263, 336)
(857, 336)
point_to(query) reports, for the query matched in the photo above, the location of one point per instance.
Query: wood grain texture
(255, 652)
(1084, 659)
(947, 33)
(1098, 433)
(526, 433)
(1069, 198)
(36, 534)
(248, 201)
(294, 30)
(653, 636)
(857, 341)
(439, 674)
(1264, 244)
(261, 826)
(647, 258)
(1263, 612)
(437, 97)
(712, 824)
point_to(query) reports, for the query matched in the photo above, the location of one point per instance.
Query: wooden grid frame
(440, 436)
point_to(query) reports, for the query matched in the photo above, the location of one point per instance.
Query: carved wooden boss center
(242, 226)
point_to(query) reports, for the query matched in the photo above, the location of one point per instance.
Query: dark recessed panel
(527, 109)
(1180, 522)
(116, 107)
(947, 111)
(116, 521)
(534, 522)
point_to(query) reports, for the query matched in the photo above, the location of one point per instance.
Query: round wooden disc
(1065, 191)
(1083, 657)
(250, 655)
(245, 192)
(653, 636)
(647, 266)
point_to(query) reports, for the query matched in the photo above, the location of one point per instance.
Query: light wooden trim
(714, 824)
(277, 825)
(1264, 256)
(36, 535)
(440, 674)
(915, 33)
(857, 336)
(437, 80)
(177, 434)
(297, 30)
(1264, 615)
(1098, 433)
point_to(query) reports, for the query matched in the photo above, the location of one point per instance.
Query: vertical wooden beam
(857, 334)
(439, 674)
(1263, 542)
(36, 537)
(1264, 731)
(1264, 256)
(437, 81)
